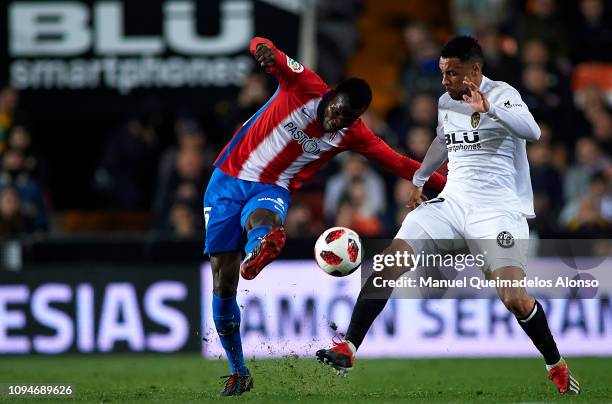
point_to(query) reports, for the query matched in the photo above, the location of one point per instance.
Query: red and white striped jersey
(284, 142)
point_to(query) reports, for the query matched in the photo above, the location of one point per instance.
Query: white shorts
(443, 225)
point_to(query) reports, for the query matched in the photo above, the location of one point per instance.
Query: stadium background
(112, 112)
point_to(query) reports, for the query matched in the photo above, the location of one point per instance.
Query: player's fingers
(466, 98)
(469, 82)
(472, 87)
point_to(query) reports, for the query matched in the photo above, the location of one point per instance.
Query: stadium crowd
(561, 77)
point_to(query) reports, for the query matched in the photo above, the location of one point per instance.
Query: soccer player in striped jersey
(301, 127)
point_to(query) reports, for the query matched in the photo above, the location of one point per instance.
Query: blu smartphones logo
(63, 29)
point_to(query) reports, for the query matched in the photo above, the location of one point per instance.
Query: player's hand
(264, 55)
(415, 196)
(476, 98)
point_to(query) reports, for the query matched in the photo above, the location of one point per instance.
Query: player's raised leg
(412, 236)
(371, 301)
(262, 219)
(532, 319)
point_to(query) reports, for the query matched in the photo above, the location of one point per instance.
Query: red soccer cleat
(267, 250)
(563, 379)
(340, 356)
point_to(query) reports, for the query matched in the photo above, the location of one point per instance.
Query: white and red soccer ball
(338, 251)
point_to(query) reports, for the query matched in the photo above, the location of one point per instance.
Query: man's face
(338, 113)
(453, 73)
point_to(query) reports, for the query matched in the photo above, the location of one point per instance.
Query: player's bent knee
(519, 306)
(263, 217)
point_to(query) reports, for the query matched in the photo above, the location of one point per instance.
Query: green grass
(189, 378)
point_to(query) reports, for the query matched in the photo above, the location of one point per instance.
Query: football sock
(226, 315)
(254, 236)
(536, 327)
(370, 303)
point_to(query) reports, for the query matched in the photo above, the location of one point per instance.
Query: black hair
(465, 48)
(358, 91)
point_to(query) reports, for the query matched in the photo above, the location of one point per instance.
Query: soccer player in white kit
(483, 127)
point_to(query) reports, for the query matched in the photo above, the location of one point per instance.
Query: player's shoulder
(444, 100)
(493, 88)
(309, 82)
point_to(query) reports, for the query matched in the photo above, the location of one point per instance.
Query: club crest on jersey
(309, 144)
(505, 239)
(294, 66)
(475, 119)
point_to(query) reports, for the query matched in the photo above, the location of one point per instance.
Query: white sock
(561, 361)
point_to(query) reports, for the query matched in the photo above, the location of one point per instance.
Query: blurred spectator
(13, 174)
(497, 64)
(544, 225)
(185, 185)
(589, 160)
(126, 174)
(354, 167)
(299, 222)
(182, 221)
(545, 179)
(9, 114)
(591, 38)
(13, 220)
(400, 196)
(598, 197)
(421, 110)
(541, 21)
(544, 103)
(355, 212)
(253, 94)
(420, 73)
(417, 142)
(591, 214)
(558, 153)
(20, 139)
(471, 16)
(380, 127)
(189, 135)
(602, 129)
(595, 115)
(535, 53)
(337, 36)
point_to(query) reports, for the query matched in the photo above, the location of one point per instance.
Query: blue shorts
(229, 201)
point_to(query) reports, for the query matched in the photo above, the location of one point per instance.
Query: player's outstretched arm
(377, 151)
(436, 155)
(511, 112)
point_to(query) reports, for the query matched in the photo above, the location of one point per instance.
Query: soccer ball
(338, 251)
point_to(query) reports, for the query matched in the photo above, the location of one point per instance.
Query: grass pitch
(189, 378)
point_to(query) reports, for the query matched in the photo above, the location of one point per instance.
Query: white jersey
(486, 151)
